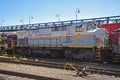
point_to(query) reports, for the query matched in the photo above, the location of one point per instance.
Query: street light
(22, 25)
(77, 11)
(30, 18)
(2, 21)
(22, 21)
(58, 16)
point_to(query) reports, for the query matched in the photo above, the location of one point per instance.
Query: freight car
(83, 41)
(114, 39)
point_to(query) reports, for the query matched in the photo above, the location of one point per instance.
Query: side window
(79, 28)
(88, 27)
(92, 25)
(55, 28)
(97, 24)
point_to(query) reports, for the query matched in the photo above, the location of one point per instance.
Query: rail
(31, 76)
(98, 69)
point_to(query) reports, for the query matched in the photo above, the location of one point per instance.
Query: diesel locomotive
(83, 41)
(86, 40)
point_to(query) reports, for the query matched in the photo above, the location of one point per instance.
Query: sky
(12, 11)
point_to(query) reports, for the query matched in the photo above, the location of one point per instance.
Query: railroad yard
(63, 51)
(62, 55)
(36, 46)
(46, 69)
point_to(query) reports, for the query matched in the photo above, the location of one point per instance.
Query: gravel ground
(50, 72)
(9, 77)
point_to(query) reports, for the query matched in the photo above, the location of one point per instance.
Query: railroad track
(23, 75)
(96, 69)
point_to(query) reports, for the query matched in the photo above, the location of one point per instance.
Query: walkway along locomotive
(85, 40)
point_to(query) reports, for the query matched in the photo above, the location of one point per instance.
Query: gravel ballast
(51, 72)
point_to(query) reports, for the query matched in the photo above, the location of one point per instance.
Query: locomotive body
(64, 36)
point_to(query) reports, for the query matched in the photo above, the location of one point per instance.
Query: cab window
(79, 28)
